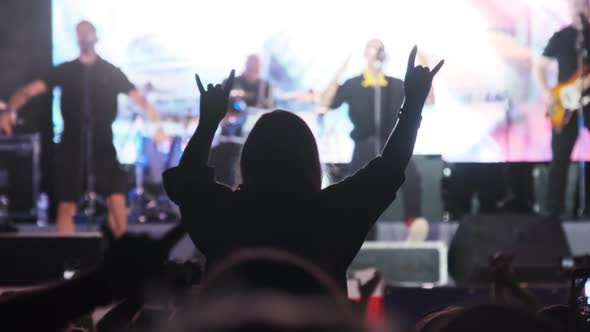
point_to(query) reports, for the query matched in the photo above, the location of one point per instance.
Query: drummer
(249, 91)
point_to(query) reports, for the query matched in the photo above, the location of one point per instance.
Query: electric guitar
(568, 99)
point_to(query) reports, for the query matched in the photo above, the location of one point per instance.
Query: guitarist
(562, 48)
(249, 90)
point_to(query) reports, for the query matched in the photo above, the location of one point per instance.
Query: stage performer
(371, 130)
(562, 48)
(250, 93)
(86, 154)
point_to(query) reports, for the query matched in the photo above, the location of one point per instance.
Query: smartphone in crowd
(580, 297)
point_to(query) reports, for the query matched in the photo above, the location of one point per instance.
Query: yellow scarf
(370, 80)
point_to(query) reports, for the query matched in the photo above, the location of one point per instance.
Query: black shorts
(71, 175)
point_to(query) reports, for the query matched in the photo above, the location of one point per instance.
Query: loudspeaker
(405, 263)
(34, 258)
(20, 174)
(536, 243)
(541, 188)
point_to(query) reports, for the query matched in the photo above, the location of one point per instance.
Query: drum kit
(151, 154)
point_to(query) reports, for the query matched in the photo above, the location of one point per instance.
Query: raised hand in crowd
(130, 261)
(417, 85)
(214, 100)
(418, 82)
(213, 107)
(505, 286)
(134, 259)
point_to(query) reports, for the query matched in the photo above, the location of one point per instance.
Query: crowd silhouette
(273, 259)
(280, 203)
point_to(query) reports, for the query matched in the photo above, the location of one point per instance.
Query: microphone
(380, 58)
(381, 55)
(584, 20)
(376, 55)
(377, 65)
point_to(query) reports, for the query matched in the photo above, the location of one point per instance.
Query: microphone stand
(582, 53)
(90, 200)
(509, 195)
(377, 110)
(137, 197)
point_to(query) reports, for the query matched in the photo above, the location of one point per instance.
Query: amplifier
(427, 177)
(405, 263)
(537, 244)
(20, 174)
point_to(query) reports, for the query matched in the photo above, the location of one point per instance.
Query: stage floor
(578, 234)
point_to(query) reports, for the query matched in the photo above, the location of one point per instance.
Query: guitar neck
(585, 82)
(582, 78)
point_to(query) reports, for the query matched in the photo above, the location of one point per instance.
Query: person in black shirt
(249, 91)
(290, 213)
(562, 48)
(90, 86)
(360, 94)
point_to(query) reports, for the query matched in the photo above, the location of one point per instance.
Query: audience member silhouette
(130, 261)
(268, 270)
(435, 321)
(280, 203)
(561, 316)
(494, 318)
(268, 290)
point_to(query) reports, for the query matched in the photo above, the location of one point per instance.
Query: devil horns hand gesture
(418, 82)
(214, 99)
(133, 259)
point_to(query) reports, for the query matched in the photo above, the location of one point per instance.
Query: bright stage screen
(487, 107)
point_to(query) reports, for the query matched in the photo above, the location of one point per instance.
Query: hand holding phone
(580, 297)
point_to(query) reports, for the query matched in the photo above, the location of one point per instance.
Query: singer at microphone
(582, 21)
(361, 93)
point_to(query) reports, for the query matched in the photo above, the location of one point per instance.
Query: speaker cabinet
(30, 259)
(537, 245)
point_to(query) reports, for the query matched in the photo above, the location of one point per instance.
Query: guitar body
(568, 99)
(558, 115)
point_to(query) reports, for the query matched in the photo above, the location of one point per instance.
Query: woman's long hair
(281, 155)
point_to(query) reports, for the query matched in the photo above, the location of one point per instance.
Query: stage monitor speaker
(405, 263)
(34, 258)
(536, 243)
(427, 176)
(20, 175)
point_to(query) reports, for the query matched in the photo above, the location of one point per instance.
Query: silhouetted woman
(280, 203)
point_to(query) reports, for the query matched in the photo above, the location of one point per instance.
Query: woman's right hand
(418, 82)
(214, 100)
(135, 258)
